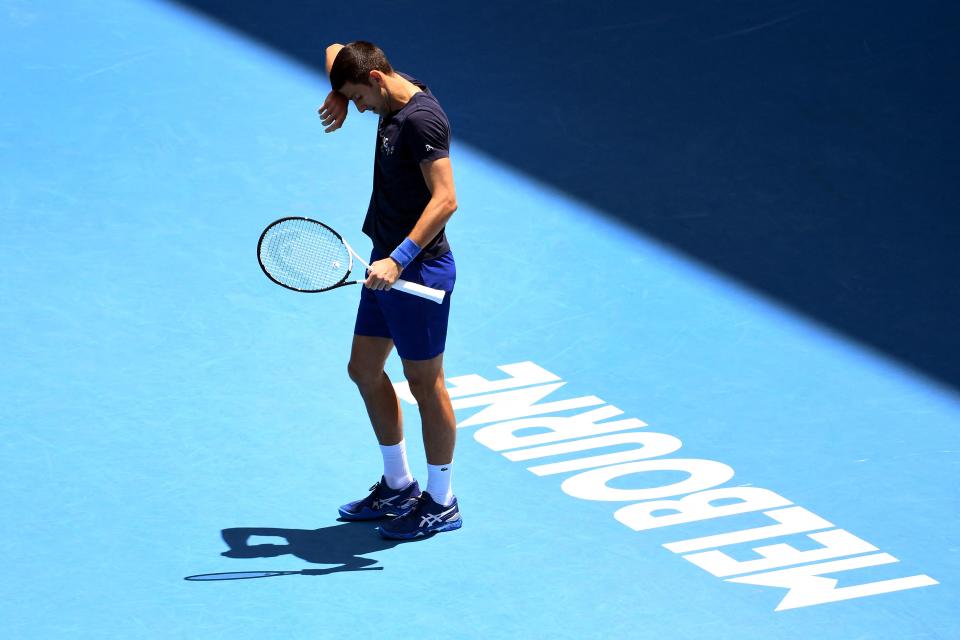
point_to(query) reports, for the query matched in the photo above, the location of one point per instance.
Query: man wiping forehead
(413, 197)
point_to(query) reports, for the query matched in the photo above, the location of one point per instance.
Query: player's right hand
(333, 111)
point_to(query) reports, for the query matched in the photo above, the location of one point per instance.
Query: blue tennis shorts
(418, 327)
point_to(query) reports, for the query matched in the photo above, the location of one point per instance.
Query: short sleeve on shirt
(428, 135)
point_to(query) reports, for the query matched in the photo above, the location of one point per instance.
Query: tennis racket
(308, 256)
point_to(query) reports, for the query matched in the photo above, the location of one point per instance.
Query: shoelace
(374, 493)
(413, 513)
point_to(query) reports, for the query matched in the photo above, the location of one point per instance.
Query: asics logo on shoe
(431, 519)
(383, 502)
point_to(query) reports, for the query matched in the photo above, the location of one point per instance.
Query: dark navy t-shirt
(419, 131)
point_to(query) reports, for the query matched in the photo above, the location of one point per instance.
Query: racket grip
(420, 291)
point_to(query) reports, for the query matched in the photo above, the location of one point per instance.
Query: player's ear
(376, 78)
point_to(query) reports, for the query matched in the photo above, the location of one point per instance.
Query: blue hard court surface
(158, 390)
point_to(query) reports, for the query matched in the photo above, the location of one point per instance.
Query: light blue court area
(647, 449)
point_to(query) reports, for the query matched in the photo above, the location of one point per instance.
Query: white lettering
(592, 485)
(511, 407)
(522, 374)
(793, 520)
(837, 543)
(502, 435)
(653, 446)
(806, 588)
(699, 506)
(519, 403)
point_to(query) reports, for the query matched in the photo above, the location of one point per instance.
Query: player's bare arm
(438, 175)
(333, 111)
(332, 52)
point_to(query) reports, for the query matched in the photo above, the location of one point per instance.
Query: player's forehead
(350, 89)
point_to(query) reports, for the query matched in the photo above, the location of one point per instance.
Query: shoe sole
(357, 517)
(371, 515)
(449, 526)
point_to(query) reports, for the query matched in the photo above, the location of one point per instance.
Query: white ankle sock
(438, 483)
(395, 468)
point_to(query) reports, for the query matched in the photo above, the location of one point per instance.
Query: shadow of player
(342, 545)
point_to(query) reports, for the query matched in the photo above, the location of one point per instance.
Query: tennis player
(413, 198)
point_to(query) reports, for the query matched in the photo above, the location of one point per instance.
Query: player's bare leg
(398, 493)
(367, 359)
(436, 411)
(437, 509)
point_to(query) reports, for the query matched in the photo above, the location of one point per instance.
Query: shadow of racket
(249, 575)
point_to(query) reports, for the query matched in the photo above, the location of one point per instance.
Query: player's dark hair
(354, 63)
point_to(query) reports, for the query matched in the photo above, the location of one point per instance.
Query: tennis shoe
(426, 517)
(382, 501)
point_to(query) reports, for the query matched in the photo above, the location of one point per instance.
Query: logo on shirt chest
(386, 148)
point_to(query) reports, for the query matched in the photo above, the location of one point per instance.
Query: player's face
(366, 97)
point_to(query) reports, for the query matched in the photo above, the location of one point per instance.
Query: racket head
(304, 255)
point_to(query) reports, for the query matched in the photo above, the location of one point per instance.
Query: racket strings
(305, 255)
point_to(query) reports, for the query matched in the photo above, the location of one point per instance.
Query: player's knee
(363, 376)
(424, 386)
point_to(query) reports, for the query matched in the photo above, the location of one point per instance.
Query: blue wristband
(405, 253)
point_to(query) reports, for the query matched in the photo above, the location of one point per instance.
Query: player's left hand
(382, 274)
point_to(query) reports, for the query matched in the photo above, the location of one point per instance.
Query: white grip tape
(420, 291)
